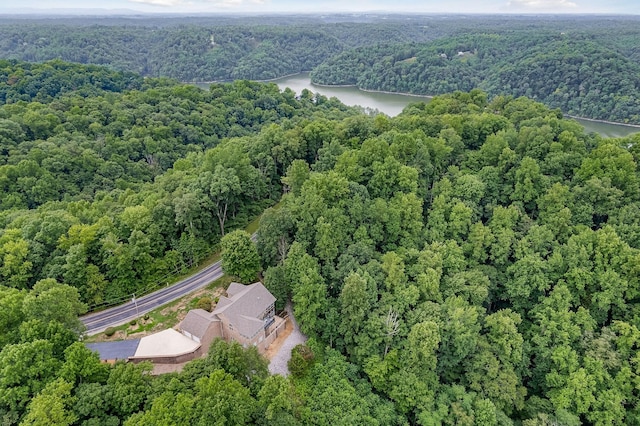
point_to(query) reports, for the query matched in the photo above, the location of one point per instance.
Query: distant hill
(196, 49)
(589, 75)
(24, 81)
(33, 12)
(587, 66)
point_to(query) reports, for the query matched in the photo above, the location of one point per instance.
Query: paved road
(100, 321)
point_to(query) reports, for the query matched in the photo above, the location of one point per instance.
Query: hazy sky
(265, 6)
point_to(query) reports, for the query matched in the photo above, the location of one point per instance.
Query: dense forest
(583, 74)
(110, 182)
(586, 66)
(470, 261)
(190, 52)
(476, 261)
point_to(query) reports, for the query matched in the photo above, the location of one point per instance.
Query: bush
(133, 322)
(146, 317)
(109, 331)
(301, 360)
(204, 303)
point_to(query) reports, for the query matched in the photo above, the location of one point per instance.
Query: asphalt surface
(99, 321)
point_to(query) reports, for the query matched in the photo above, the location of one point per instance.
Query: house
(245, 315)
(198, 323)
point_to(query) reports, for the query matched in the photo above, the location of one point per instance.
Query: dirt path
(278, 364)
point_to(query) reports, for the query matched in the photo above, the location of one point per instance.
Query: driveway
(278, 364)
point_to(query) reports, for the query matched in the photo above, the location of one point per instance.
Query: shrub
(109, 331)
(133, 322)
(301, 360)
(204, 303)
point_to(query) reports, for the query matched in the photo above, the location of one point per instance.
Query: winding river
(392, 103)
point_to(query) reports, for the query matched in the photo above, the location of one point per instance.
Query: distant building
(246, 315)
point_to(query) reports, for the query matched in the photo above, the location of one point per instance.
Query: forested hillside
(587, 66)
(265, 47)
(205, 52)
(467, 262)
(477, 263)
(111, 191)
(582, 73)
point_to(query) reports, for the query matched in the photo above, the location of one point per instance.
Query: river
(392, 104)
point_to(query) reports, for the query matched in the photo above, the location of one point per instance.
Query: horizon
(118, 12)
(326, 7)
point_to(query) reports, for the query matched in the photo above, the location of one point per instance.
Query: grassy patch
(255, 223)
(212, 258)
(408, 60)
(222, 282)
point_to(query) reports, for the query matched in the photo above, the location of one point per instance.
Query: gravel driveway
(278, 364)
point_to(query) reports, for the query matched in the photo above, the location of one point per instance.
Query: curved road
(100, 321)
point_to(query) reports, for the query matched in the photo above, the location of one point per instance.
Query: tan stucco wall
(213, 332)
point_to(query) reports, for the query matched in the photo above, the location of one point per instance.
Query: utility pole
(136, 304)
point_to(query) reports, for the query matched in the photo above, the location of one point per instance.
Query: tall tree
(224, 190)
(354, 306)
(52, 301)
(52, 406)
(240, 256)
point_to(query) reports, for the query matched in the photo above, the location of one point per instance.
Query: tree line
(231, 47)
(586, 66)
(584, 74)
(194, 51)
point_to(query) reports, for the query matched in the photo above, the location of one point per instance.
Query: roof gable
(244, 306)
(197, 322)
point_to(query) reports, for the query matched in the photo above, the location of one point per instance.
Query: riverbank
(630, 127)
(595, 120)
(397, 93)
(355, 86)
(259, 81)
(330, 86)
(392, 103)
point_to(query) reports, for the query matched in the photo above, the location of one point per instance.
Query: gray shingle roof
(244, 306)
(197, 322)
(115, 350)
(235, 288)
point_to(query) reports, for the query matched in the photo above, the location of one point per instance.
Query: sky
(326, 6)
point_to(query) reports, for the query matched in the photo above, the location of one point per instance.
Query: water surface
(392, 103)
